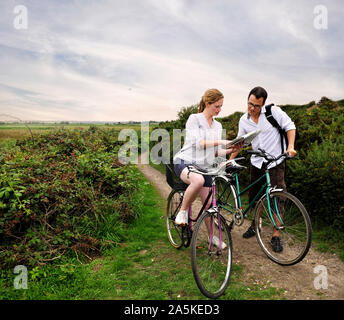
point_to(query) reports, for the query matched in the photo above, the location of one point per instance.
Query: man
(269, 140)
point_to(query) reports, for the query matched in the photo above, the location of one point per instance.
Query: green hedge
(65, 192)
(316, 175)
(318, 179)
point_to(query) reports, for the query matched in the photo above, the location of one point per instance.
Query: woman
(202, 143)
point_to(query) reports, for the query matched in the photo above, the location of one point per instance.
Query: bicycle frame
(267, 187)
(212, 192)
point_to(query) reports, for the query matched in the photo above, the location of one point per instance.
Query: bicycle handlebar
(222, 167)
(270, 158)
(217, 171)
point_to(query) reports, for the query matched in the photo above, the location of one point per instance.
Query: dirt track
(297, 281)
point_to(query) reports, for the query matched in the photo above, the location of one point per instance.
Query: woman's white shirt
(198, 129)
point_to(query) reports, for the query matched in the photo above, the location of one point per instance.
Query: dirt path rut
(297, 282)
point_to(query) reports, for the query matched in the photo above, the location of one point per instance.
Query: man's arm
(234, 155)
(291, 140)
(288, 125)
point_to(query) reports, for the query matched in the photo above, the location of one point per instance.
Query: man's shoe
(216, 242)
(181, 218)
(276, 244)
(250, 232)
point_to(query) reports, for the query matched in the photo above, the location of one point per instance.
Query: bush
(64, 192)
(318, 179)
(317, 176)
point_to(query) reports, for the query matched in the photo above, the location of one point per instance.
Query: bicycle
(275, 209)
(211, 264)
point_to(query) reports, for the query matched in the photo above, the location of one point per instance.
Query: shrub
(317, 178)
(64, 192)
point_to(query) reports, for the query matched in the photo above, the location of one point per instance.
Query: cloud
(144, 60)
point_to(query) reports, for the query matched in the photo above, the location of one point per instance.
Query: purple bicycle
(210, 237)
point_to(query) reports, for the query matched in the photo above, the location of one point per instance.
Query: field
(88, 229)
(13, 131)
(93, 234)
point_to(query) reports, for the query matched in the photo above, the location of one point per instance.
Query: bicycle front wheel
(174, 232)
(226, 198)
(293, 223)
(211, 260)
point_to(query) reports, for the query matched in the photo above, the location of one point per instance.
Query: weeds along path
(298, 281)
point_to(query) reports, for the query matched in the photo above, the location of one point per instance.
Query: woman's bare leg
(195, 182)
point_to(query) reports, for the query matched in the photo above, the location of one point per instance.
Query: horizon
(134, 121)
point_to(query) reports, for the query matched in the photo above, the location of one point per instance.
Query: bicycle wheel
(295, 231)
(174, 232)
(210, 265)
(226, 197)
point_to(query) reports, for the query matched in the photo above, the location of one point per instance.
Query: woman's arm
(234, 150)
(213, 143)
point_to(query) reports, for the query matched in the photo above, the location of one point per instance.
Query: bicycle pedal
(238, 217)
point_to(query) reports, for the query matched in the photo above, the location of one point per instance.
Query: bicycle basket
(173, 180)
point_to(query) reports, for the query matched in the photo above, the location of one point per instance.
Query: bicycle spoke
(225, 198)
(211, 266)
(294, 233)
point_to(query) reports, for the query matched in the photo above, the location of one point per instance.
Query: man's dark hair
(258, 92)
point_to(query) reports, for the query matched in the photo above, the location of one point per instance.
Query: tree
(185, 112)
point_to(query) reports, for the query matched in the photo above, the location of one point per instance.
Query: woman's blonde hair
(210, 96)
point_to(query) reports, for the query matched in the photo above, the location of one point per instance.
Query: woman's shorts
(178, 168)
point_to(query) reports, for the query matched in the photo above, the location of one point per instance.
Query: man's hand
(235, 148)
(291, 140)
(291, 151)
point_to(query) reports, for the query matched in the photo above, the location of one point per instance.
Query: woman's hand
(224, 143)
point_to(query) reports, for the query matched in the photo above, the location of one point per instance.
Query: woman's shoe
(181, 218)
(216, 242)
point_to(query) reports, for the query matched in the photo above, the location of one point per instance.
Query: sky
(141, 60)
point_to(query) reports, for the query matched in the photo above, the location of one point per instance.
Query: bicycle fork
(269, 196)
(215, 211)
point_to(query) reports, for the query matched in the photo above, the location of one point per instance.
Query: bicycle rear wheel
(210, 265)
(295, 231)
(174, 232)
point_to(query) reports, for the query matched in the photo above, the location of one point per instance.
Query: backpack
(274, 123)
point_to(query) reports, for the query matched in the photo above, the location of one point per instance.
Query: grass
(144, 267)
(160, 167)
(13, 131)
(328, 239)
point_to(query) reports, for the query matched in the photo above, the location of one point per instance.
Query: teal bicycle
(274, 210)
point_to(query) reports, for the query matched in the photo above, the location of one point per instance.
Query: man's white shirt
(269, 138)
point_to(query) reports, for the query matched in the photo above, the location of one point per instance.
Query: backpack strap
(275, 124)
